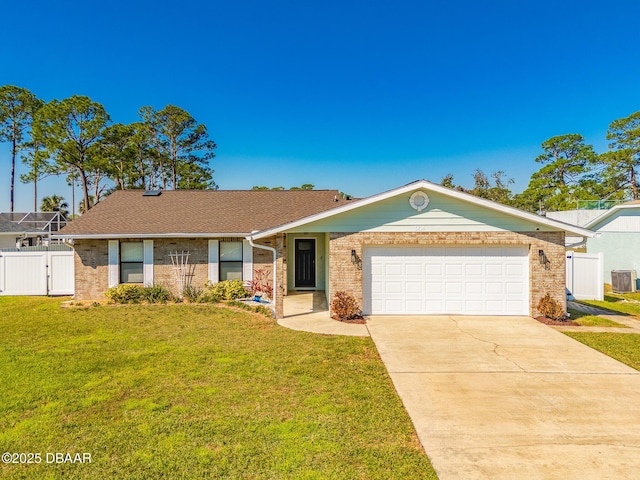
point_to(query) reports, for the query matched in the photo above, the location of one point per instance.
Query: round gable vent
(419, 201)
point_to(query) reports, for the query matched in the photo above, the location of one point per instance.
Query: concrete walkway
(309, 312)
(510, 398)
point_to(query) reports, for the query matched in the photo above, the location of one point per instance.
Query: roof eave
(117, 236)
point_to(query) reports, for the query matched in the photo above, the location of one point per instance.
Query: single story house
(618, 238)
(417, 249)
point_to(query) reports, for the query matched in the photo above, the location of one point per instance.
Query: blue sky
(362, 96)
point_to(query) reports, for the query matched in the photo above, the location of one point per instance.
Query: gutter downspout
(275, 276)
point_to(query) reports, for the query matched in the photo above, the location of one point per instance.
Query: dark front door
(305, 262)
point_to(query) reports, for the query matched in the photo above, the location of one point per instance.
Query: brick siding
(91, 263)
(346, 276)
(91, 260)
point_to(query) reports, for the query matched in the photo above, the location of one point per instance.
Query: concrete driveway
(510, 398)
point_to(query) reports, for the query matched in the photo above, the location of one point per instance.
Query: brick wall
(163, 272)
(346, 276)
(92, 271)
(91, 262)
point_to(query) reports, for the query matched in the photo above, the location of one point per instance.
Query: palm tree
(54, 203)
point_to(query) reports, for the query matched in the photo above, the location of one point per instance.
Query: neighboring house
(618, 238)
(417, 249)
(29, 229)
(579, 217)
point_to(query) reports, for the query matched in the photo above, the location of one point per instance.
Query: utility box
(623, 281)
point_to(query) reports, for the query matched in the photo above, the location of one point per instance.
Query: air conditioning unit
(623, 281)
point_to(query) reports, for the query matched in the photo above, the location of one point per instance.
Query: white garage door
(446, 280)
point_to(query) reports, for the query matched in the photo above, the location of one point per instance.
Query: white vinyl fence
(585, 276)
(36, 272)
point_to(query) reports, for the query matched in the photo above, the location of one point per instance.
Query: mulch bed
(564, 323)
(359, 320)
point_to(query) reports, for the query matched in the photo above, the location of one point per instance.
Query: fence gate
(36, 273)
(585, 276)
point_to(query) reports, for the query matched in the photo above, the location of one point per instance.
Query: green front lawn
(624, 347)
(587, 320)
(623, 303)
(190, 391)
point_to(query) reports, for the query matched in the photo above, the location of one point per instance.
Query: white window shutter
(114, 263)
(247, 261)
(214, 272)
(147, 265)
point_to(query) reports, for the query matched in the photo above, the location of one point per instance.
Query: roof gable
(448, 210)
(625, 217)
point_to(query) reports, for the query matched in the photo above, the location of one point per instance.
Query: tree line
(571, 171)
(75, 137)
(169, 149)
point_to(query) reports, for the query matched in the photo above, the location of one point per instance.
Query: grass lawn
(593, 320)
(624, 303)
(621, 346)
(188, 391)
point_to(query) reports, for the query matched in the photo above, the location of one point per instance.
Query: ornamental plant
(226, 290)
(344, 307)
(551, 308)
(261, 285)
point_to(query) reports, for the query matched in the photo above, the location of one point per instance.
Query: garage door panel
(393, 287)
(512, 305)
(454, 305)
(446, 280)
(455, 269)
(473, 269)
(472, 288)
(394, 306)
(414, 269)
(514, 288)
(514, 270)
(393, 269)
(473, 306)
(413, 306)
(494, 270)
(434, 270)
(377, 287)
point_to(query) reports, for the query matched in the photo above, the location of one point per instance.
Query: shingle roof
(128, 212)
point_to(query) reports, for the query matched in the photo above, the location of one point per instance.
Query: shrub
(550, 308)
(125, 293)
(193, 294)
(344, 307)
(156, 294)
(227, 290)
(137, 293)
(261, 284)
(209, 296)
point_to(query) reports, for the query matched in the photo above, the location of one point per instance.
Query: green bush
(227, 290)
(126, 293)
(193, 294)
(156, 294)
